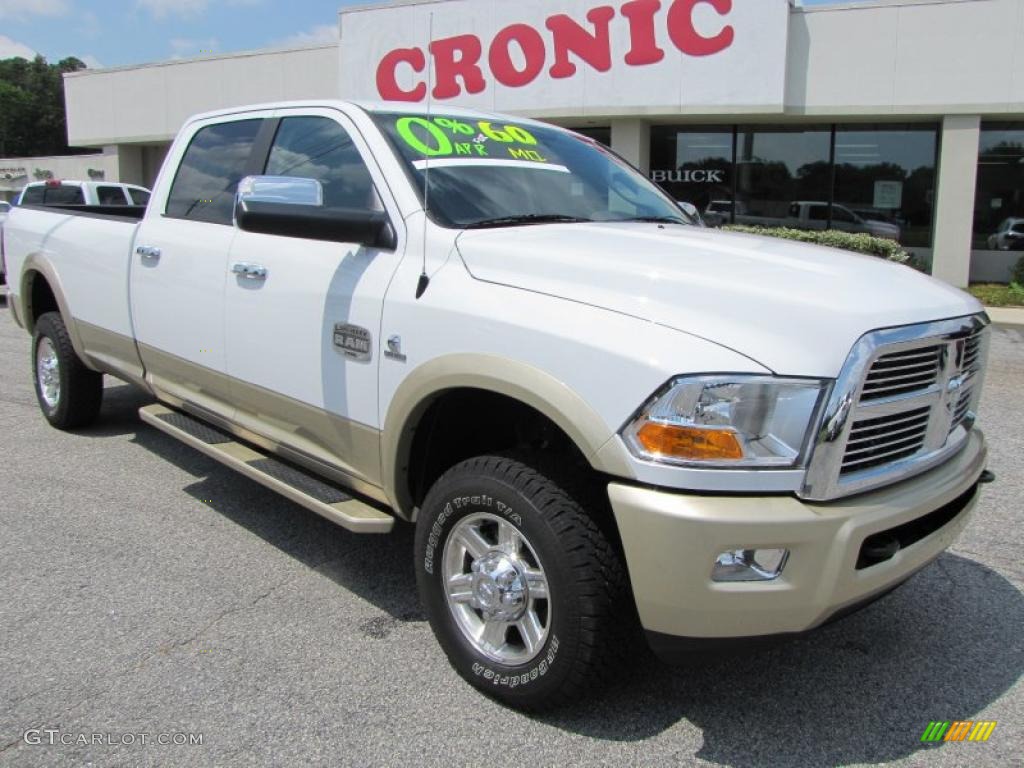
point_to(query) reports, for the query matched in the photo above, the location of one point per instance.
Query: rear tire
(69, 393)
(525, 594)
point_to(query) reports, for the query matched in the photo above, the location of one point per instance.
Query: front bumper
(671, 541)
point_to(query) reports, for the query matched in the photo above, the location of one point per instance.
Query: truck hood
(796, 309)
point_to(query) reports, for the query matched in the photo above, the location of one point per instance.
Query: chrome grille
(898, 373)
(904, 402)
(887, 438)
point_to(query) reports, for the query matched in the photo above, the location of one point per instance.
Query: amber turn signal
(689, 442)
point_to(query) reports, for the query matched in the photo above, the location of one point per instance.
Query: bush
(859, 243)
(1018, 272)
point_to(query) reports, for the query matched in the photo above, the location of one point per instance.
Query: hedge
(1018, 272)
(858, 243)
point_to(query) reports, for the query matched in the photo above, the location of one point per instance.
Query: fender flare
(35, 263)
(504, 376)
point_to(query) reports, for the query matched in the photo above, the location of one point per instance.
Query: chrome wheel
(48, 372)
(496, 589)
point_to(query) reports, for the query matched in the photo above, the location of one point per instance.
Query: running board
(304, 489)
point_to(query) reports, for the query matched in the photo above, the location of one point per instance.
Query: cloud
(322, 33)
(21, 9)
(184, 8)
(182, 47)
(10, 49)
(91, 61)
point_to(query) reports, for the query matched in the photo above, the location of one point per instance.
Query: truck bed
(88, 248)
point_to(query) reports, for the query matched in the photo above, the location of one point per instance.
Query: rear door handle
(148, 252)
(249, 271)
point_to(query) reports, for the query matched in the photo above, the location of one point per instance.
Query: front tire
(525, 594)
(69, 393)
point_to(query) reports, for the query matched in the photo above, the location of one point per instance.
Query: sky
(110, 33)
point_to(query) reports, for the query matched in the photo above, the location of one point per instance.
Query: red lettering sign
(457, 59)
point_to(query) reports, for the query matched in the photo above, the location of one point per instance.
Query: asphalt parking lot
(148, 590)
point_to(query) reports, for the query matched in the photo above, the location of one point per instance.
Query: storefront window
(999, 202)
(695, 166)
(876, 179)
(783, 177)
(885, 181)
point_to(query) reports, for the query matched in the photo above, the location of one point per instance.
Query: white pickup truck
(599, 417)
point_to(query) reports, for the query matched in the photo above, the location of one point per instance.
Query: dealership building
(900, 115)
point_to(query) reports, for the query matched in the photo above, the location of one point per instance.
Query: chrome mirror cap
(284, 190)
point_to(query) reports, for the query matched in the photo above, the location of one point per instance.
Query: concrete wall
(149, 103)
(22, 170)
(907, 57)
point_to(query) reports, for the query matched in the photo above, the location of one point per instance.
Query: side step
(312, 493)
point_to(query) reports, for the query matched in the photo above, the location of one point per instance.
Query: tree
(32, 116)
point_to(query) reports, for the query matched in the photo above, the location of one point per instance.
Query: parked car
(1009, 236)
(718, 213)
(69, 192)
(815, 215)
(598, 417)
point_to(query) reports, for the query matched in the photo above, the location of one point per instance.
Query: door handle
(148, 252)
(249, 271)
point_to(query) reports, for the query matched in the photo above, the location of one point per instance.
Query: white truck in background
(599, 417)
(93, 193)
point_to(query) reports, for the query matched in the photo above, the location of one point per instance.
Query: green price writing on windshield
(443, 136)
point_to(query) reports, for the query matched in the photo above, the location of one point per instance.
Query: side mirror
(293, 207)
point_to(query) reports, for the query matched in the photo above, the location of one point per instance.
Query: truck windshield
(500, 174)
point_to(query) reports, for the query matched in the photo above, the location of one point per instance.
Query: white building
(909, 112)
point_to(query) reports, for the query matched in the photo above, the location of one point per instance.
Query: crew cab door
(179, 264)
(300, 311)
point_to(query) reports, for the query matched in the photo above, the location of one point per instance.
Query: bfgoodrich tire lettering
(586, 627)
(69, 394)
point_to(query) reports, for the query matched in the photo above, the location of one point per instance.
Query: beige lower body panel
(672, 540)
(112, 353)
(324, 443)
(352, 514)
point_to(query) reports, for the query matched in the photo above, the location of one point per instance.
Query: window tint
(63, 195)
(32, 196)
(214, 163)
(318, 148)
(139, 196)
(111, 196)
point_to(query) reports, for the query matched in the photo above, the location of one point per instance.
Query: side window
(66, 194)
(110, 196)
(214, 163)
(842, 214)
(318, 148)
(820, 213)
(139, 196)
(32, 196)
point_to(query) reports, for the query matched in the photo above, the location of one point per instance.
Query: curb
(1006, 315)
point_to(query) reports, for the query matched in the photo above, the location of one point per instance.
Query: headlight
(727, 421)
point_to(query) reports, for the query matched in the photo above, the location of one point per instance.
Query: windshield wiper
(656, 219)
(527, 218)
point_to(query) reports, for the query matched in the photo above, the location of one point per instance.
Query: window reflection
(696, 166)
(999, 201)
(875, 179)
(885, 176)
